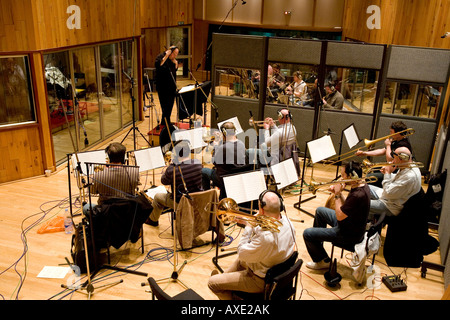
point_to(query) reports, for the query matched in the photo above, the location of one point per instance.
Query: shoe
(151, 222)
(318, 265)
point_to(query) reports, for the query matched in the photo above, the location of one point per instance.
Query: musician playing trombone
(347, 220)
(259, 249)
(390, 144)
(397, 188)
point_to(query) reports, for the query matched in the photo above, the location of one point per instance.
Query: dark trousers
(166, 100)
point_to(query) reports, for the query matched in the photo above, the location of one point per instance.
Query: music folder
(245, 187)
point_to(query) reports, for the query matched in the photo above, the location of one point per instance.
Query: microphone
(329, 132)
(447, 34)
(244, 2)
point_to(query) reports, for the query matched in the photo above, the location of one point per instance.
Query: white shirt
(399, 187)
(283, 135)
(261, 249)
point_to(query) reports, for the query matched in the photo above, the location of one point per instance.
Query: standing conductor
(166, 66)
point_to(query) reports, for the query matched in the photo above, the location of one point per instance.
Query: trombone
(369, 166)
(314, 186)
(228, 211)
(367, 144)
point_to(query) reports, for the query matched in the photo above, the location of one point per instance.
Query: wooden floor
(26, 205)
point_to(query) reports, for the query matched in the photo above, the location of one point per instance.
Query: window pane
(411, 99)
(16, 103)
(292, 84)
(351, 90)
(237, 82)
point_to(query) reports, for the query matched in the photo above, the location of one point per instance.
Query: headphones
(263, 203)
(281, 115)
(402, 156)
(224, 129)
(351, 171)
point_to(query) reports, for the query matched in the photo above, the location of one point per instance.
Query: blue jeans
(315, 236)
(377, 207)
(209, 176)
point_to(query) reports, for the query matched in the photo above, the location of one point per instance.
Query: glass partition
(16, 95)
(417, 100)
(237, 82)
(348, 89)
(292, 84)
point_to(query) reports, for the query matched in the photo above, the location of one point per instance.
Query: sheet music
(321, 149)
(194, 136)
(149, 159)
(245, 187)
(98, 156)
(284, 173)
(351, 136)
(152, 191)
(187, 88)
(237, 125)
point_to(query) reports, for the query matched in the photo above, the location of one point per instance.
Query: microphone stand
(174, 277)
(133, 128)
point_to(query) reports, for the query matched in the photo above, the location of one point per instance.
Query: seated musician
(115, 181)
(333, 98)
(298, 89)
(276, 81)
(397, 188)
(347, 220)
(281, 141)
(229, 158)
(188, 178)
(259, 249)
(391, 143)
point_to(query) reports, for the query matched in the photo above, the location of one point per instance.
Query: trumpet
(367, 144)
(369, 166)
(314, 186)
(228, 211)
(257, 122)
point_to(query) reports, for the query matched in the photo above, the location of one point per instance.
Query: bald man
(258, 250)
(397, 188)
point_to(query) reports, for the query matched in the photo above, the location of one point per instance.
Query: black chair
(280, 282)
(158, 293)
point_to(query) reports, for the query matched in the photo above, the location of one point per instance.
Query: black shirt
(166, 75)
(191, 171)
(356, 207)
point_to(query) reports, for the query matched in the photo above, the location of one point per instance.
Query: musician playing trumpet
(347, 220)
(259, 249)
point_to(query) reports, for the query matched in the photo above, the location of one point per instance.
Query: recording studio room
(105, 104)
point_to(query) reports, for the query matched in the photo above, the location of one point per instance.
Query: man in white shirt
(281, 141)
(397, 188)
(259, 250)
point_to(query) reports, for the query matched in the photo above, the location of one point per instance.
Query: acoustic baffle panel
(294, 51)
(444, 221)
(355, 55)
(418, 64)
(236, 51)
(422, 140)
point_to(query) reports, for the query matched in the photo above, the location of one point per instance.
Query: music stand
(352, 138)
(148, 159)
(319, 150)
(237, 187)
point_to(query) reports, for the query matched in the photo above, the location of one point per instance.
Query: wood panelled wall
(403, 22)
